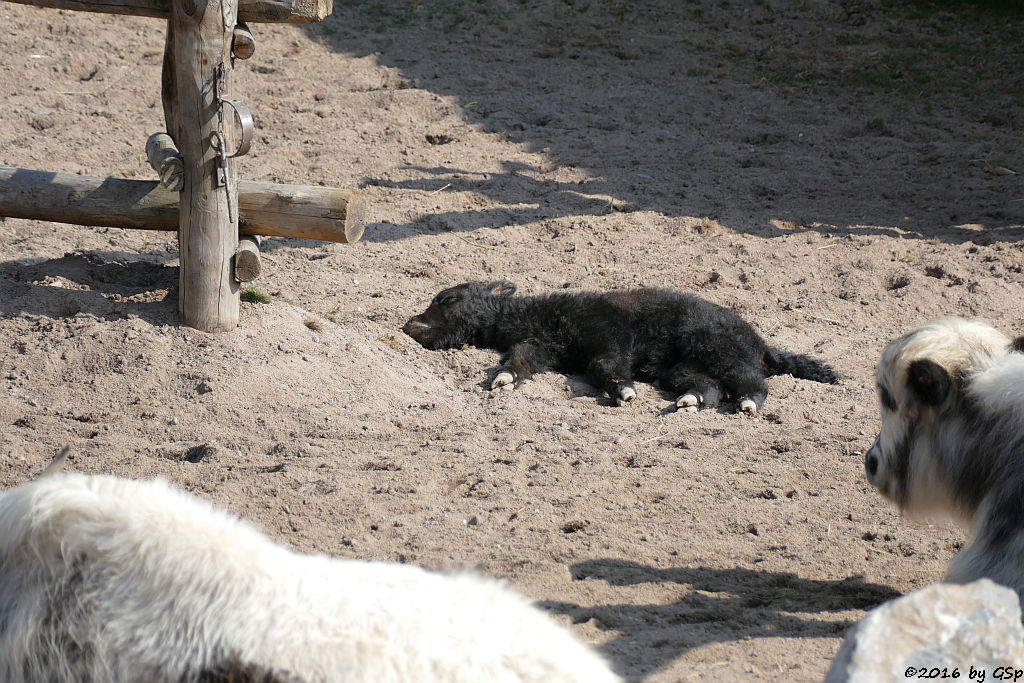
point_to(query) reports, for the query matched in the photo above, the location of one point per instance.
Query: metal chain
(219, 140)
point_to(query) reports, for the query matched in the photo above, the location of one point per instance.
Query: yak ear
(502, 288)
(1017, 345)
(928, 381)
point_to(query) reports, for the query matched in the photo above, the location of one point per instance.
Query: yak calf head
(459, 315)
(920, 380)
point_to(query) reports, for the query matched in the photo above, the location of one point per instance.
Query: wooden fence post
(199, 40)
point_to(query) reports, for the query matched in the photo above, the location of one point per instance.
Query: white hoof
(688, 401)
(626, 394)
(503, 379)
(748, 406)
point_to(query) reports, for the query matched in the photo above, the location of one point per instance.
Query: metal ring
(244, 117)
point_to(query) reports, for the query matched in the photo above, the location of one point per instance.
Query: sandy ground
(839, 171)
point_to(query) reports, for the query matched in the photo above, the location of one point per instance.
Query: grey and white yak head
(931, 399)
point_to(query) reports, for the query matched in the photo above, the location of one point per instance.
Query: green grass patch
(254, 296)
(963, 54)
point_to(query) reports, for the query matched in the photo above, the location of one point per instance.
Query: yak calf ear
(502, 288)
(928, 381)
(1017, 345)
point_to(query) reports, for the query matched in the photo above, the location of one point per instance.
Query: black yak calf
(695, 349)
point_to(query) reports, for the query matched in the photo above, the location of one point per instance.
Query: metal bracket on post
(218, 140)
(245, 122)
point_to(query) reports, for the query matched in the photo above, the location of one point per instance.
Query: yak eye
(445, 299)
(886, 398)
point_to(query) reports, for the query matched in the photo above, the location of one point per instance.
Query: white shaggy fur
(1000, 388)
(953, 343)
(952, 440)
(107, 579)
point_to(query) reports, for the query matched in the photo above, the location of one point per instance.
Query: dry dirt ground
(839, 171)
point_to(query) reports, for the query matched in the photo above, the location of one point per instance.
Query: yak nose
(871, 462)
(418, 330)
(871, 465)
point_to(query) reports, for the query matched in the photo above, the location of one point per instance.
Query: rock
(199, 453)
(969, 628)
(43, 122)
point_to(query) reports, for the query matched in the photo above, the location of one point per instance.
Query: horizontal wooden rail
(267, 11)
(295, 211)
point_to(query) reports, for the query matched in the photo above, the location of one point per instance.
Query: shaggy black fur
(696, 349)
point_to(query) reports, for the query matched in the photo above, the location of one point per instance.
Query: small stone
(197, 454)
(43, 122)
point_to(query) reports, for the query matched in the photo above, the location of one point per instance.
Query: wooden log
(164, 158)
(267, 11)
(293, 211)
(243, 44)
(316, 213)
(200, 32)
(247, 258)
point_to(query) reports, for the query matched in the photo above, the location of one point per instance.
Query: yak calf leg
(613, 375)
(520, 363)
